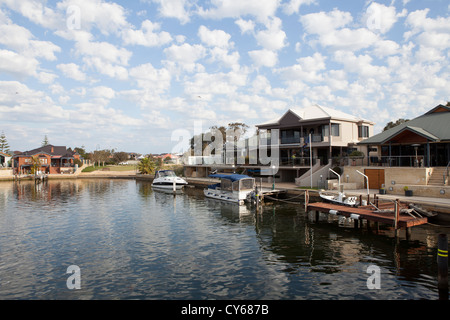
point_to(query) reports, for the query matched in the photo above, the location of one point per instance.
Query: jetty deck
(386, 213)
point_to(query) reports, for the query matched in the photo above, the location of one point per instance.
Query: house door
(376, 178)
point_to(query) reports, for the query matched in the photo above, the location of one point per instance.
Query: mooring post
(306, 200)
(442, 260)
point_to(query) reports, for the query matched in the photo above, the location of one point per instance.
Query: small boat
(167, 179)
(232, 187)
(341, 199)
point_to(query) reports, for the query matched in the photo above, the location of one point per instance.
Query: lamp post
(415, 148)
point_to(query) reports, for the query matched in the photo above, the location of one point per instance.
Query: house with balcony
(415, 154)
(307, 142)
(310, 139)
(52, 159)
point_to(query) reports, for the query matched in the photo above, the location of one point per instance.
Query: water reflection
(133, 242)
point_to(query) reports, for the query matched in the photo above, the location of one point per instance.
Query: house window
(363, 131)
(325, 130)
(335, 129)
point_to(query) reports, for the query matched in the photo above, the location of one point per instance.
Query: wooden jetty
(396, 214)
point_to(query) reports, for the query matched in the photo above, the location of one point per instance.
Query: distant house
(168, 157)
(4, 159)
(420, 142)
(53, 159)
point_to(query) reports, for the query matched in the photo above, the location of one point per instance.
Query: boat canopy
(164, 173)
(233, 177)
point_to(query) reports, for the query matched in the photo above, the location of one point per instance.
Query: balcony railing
(290, 140)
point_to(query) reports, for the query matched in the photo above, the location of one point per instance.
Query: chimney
(52, 150)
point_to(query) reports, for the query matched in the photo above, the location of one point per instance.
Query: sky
(144, 76)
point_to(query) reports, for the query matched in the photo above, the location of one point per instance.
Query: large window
(363, 131)
(335, 129)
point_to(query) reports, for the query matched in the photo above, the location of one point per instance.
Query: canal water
(119, 239)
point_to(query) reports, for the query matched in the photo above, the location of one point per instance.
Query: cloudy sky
(129, 74)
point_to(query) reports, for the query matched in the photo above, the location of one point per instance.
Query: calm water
(132, 242)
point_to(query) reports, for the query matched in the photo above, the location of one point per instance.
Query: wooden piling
(306, 200)
(442, 260)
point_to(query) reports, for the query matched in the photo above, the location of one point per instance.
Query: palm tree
(35, 164)
(147, 166)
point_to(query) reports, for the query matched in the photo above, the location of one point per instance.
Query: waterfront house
(307, 140)
(5, 158)
(416, 152)
(328, 133)
(53, 159)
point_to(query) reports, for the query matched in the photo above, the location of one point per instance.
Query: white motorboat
(232, 187)
(341, 199)
(167, 179)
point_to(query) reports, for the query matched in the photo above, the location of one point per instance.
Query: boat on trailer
(232, 187)
(167, 179)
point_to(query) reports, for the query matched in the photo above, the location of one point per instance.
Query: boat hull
(168, 186)
(225, 196)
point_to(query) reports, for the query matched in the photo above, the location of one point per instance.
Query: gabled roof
(315, 112)
(433, 125)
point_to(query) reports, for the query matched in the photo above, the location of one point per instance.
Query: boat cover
(233, 177)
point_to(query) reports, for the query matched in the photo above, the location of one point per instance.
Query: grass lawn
(111, 168)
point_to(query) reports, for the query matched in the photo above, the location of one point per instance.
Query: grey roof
(435, 126)
(57, 151)
(315, 112)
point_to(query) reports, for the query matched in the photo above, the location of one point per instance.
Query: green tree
(119, 157)
(45, 141)
(147, 166)
(4, 146)
(394, 124)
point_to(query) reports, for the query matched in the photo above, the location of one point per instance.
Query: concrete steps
(437, 177)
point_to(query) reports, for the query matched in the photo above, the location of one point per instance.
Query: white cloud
(214, 38)
(147, 35)
(107, 17)
(246, 26)
(321, 23)
(154, 80)
(72, 70)
(273, 38)
(380, 18)
(185, 56)
(260, 9)
(293, 6)
(307, 69)
(37, 12)
(13, 63)
(362, 65)
(178, 9)
(264, 58)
